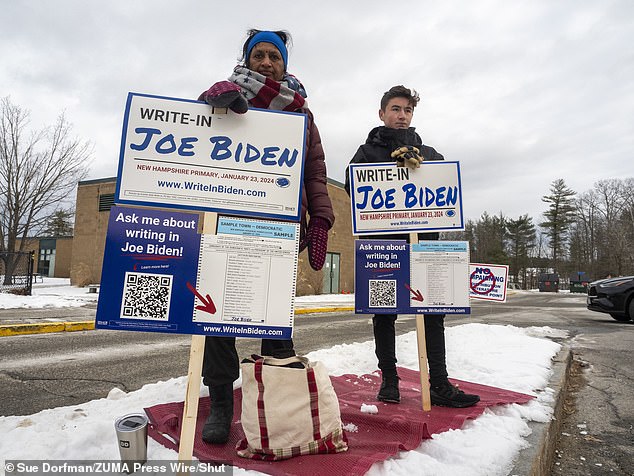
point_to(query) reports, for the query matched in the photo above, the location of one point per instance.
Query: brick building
(95, 197)
(52, 255)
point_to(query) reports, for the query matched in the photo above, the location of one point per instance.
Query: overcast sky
(520, 92)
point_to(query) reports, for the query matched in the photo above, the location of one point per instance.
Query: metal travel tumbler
(132, 436)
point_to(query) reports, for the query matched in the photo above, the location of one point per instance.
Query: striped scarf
(265, 93)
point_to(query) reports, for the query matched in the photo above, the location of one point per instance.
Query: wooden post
(190, 411)
(422, 349)
(194, 373)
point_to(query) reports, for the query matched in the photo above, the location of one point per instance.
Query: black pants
(220, 361)
(385, 344)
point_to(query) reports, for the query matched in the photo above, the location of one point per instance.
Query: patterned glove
(226, 94)
(407, 155)
(317, 237)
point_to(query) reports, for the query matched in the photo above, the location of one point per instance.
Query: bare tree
(591, 232)
(610, 205)
(586, 234)
(39, 170)
(628, 220)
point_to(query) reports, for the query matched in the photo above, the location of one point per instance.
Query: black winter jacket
(378, 146)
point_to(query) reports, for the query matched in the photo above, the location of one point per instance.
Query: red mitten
(317, 237)
(226, 94)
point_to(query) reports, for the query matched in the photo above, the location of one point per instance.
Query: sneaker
(447, 395)
(389, 390)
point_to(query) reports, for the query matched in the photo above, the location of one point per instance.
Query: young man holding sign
(397, 141)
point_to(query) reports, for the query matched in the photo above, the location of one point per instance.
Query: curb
(74, 326)
(48, 327)
(323, 309)
(537, 459)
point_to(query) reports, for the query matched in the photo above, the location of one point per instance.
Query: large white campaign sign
(177, 153)
(390, 199)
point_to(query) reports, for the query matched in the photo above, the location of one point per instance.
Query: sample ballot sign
(430, 277)
(161, 275)
(249, 267)
(176, 153)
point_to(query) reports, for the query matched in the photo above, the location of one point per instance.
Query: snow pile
(503, 356)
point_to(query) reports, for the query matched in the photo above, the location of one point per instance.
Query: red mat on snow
(396, 427)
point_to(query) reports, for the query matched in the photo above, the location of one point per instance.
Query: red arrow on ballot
(208, 304)
(417, 294)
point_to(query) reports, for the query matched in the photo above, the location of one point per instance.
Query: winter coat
(315, 199)
(378, 146)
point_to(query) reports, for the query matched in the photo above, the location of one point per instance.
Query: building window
(106, 201)
(331, 274)
(46, 261)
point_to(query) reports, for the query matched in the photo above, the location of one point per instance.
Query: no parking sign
(488, 281)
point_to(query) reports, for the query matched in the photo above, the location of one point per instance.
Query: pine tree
(521, 240)
(558, 218)
(60, 224)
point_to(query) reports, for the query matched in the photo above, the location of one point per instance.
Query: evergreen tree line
(591, 232)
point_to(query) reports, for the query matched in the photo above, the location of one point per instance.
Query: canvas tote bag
(288, 411)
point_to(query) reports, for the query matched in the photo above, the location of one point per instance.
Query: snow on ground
(57, 292)
(53, 292)
(503, 356)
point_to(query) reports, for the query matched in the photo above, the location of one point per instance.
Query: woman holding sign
(262, 81)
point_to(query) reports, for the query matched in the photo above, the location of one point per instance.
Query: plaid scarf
(265, 93)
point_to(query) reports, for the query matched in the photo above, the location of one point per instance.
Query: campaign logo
(282, 182)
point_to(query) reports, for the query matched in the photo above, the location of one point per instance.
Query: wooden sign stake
(422, 349)
(194, 373)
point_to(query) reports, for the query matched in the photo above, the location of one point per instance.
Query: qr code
(382, 293)
(146, 296)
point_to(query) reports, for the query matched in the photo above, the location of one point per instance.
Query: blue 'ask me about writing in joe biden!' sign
(149, 258)
(388, 199)
(381, 270)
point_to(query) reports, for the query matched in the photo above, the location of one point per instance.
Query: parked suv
(614, 296)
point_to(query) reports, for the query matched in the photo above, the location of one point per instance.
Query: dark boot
(389, 391)
(447, 395)
(218, 424)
